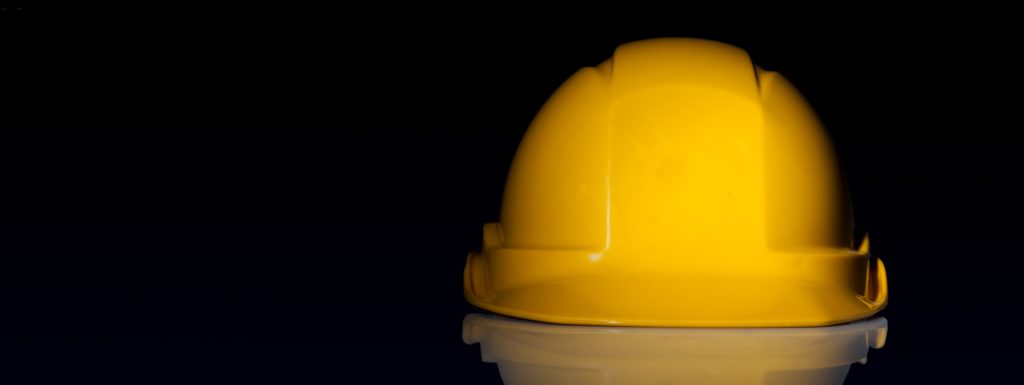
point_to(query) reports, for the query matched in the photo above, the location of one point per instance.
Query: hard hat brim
(688, 301)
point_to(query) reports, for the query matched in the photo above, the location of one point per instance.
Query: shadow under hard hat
(536, 353)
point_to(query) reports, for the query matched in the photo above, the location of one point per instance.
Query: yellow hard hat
(676, 184)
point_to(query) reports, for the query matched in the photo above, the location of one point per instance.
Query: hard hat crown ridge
(676, 184)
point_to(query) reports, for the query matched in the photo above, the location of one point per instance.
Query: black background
(292, 194)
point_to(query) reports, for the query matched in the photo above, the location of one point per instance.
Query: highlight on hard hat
(676, 184)
(531, 353)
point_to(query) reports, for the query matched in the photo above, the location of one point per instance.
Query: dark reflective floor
(525, 352)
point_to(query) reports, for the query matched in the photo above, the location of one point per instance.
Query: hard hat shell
(676, 184)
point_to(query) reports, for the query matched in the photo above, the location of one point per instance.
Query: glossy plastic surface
(676, 184)
(532, 353)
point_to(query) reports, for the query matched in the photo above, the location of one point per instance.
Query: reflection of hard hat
(536, 353)
(676, 184)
